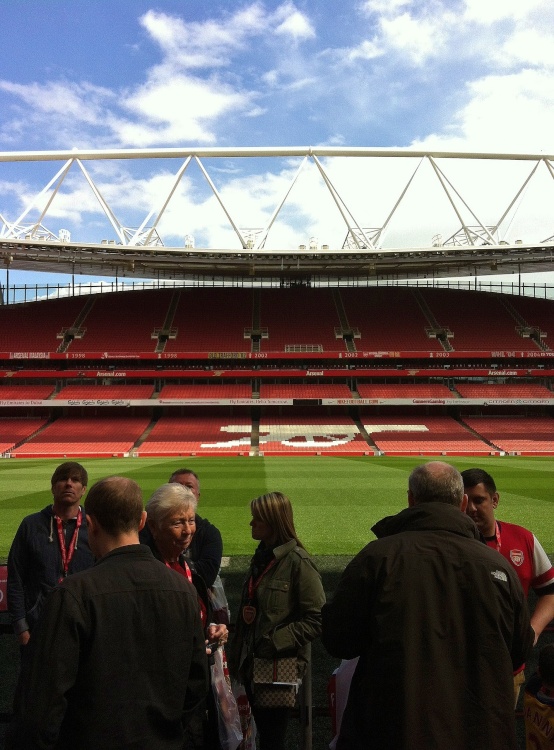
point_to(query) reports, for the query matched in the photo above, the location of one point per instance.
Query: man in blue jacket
(48, 546)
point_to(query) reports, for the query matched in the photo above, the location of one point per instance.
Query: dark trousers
(271, 724)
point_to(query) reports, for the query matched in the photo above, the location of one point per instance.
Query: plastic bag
(246, 718)
(220, 605)
(339, 687)
(229, 724)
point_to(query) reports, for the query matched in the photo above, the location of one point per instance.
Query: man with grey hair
(439, 623)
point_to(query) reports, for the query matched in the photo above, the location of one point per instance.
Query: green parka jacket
(288, 605)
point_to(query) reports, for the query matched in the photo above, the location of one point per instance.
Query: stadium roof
(474, 246)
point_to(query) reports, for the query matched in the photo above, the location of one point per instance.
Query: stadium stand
(103, 392)
(123, 322)
(404, 390)
(531, 435)
(25, 392)
(478, 320)
(503, 390)
(227, 344)
(14, 430)
(305, 390)
(310, 433)
(535, 313)
(301, 319)
(210, 391)
(85, 436)
(199, 433)
(212, 320)
(422, 435)
(375, 312)
(34, 327)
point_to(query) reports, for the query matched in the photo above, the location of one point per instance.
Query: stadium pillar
(306, 705)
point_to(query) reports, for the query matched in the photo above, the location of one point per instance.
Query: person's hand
(217, 636)
(24, 638)
(217, 633)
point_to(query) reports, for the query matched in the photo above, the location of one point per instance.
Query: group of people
(113, 605)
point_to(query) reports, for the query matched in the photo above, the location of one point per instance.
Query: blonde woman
(280, 610)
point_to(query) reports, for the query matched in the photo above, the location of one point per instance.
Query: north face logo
(516, 556)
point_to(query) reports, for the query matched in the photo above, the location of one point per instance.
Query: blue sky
(472, 75)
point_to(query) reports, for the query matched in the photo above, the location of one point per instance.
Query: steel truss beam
(475, 247)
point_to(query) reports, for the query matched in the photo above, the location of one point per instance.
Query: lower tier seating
(422, 434)
(222, 433)
(310, 434)
(85, 436)
(13, 430)
(516, 434)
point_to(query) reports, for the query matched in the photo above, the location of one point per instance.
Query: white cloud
(294, 24)
(80, 101)
(178, 109)
(416, 38)
(203, 44)
(492, 11)
(526, 47)
(505, 113)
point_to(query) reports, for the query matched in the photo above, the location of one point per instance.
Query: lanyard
(67, 554)
(497, 535)
(253, 585)
(182, 568)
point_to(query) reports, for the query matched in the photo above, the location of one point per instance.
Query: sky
(463, 75)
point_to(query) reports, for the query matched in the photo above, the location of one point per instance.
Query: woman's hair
(167, 499)
(275, 510)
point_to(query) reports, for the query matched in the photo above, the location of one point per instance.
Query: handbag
(275, 682)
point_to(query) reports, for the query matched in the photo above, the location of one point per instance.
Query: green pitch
(336, 500)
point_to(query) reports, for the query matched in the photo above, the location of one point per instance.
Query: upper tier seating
(12, 430)
(215, 319)
(33, 327)
(124, 321)
(536, 313)
(207, 391)
(305, 390)
(209, 433)
(503, 390)
(86, 436)
(422, 434)
(388, 318)
(299, 317)
(516, 434)
(212, 320)
(103, 392)
(404, 390)
(310, 433)
(478, 320)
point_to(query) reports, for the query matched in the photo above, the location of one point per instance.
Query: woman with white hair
(169, 530)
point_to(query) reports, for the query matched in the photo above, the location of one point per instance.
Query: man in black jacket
(439, 622)
(117, 659)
